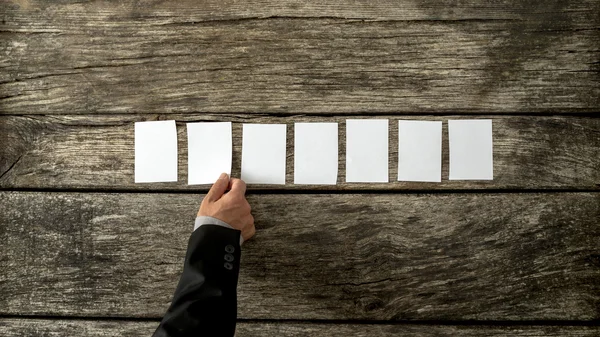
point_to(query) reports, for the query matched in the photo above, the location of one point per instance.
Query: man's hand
(231, 207)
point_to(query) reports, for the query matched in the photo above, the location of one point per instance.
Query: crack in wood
(349, 20)
(11, 166)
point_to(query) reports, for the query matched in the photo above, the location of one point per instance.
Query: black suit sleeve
(205, 302)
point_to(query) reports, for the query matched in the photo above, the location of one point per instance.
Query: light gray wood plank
(292, 57)
(17, 327)
(97, 152)
(315, 256)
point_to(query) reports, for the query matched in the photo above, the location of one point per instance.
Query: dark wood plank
(43, 327)
(87, 152)
(291, 57)
(315, 256)
(48, 14)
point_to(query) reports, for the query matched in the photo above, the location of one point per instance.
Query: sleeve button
(228, 266)
(228, 257)
(229, 249)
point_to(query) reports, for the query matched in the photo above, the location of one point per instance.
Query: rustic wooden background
(86, 252)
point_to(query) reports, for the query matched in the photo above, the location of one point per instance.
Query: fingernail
(223, 176)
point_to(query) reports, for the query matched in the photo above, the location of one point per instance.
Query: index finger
(238, 186)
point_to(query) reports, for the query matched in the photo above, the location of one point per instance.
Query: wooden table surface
(86, 252)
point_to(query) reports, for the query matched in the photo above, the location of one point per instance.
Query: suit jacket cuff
(209, 220)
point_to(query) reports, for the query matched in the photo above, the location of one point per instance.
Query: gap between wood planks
(399, 115)
(488, 323)
(300, 191)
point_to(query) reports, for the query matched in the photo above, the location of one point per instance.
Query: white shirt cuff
(209, 220)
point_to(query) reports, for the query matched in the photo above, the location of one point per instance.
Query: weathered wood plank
(45, 13)
(87, 152)
(315, 256)
(45, 327)
(292, 57)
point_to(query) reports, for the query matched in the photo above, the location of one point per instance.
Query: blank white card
(155, 151)
(367, 150)
(209, 151)
(315, 153)
(471, 149)
(264, 153)
(420, 151)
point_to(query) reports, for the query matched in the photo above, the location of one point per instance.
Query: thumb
(218, 188)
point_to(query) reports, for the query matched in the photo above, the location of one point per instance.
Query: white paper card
(155, 151)
(209, 151)
(264, 153)
(471, 150)
(367, 150)
(420, 151)
(315, 153)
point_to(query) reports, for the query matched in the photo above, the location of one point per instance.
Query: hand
(231, 207)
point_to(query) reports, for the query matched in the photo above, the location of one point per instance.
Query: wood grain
(97, 152)
(72, 13)
(75, 75)
(56, 328)
(315, 256)
(287, 57)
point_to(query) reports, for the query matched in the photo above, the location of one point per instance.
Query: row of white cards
(316, 151)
